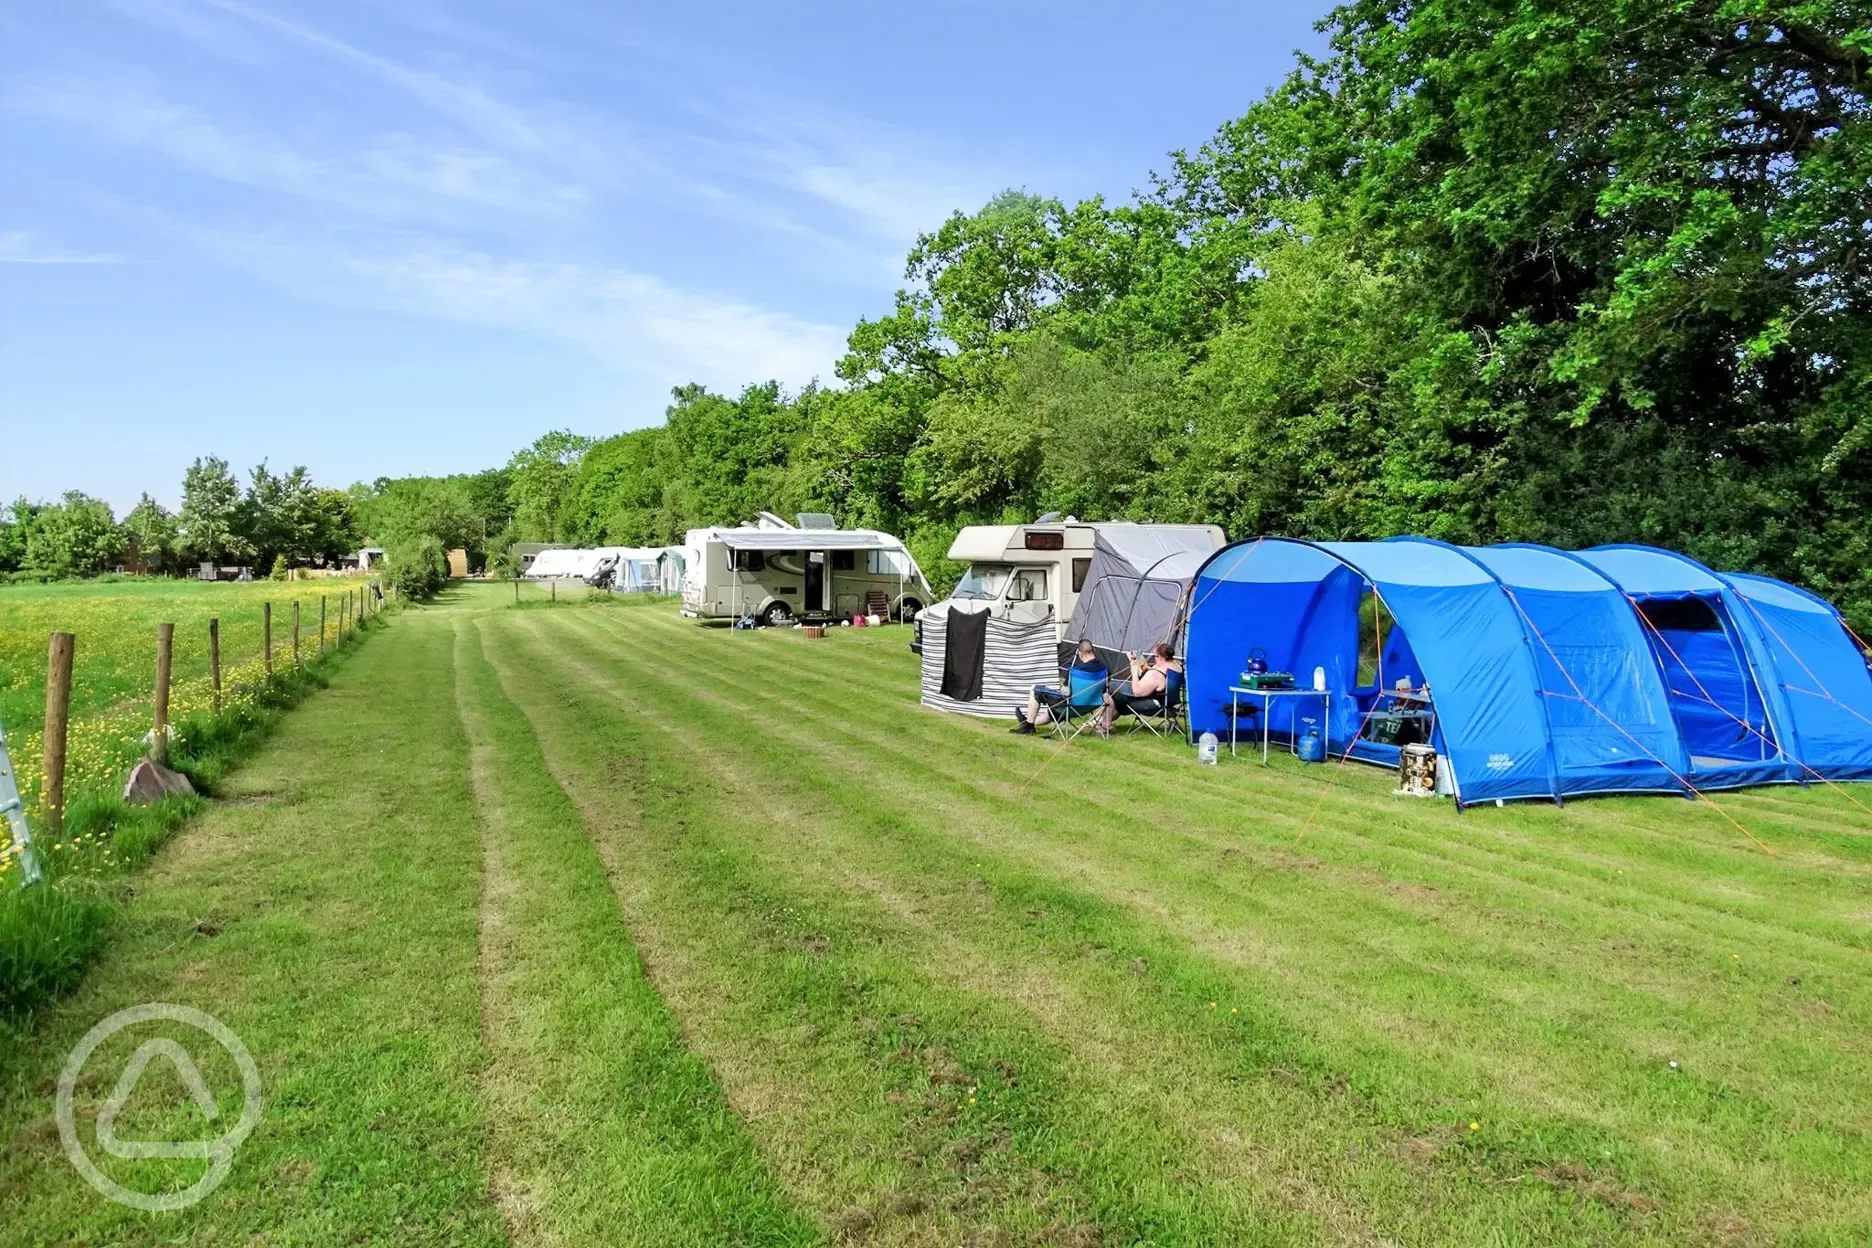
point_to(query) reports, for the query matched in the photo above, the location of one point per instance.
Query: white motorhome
(773, 572)
(1033, 572)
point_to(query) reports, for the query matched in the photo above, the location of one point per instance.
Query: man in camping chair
(1153, 695)
(1084, 694)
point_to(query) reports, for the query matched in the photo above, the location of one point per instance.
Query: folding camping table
(1267, 696)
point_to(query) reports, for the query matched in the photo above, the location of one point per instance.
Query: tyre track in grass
(605, 1128)
(1776, 1017)
(759, 684)
(1148, 1044)
(1485, 853)
(921, 1111)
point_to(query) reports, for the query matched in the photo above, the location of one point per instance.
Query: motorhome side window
(1030, 585)
(746, 560)
(844, 560)
(887, 563)
(1080, 568)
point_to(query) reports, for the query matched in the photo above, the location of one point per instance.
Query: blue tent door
(1719, 711)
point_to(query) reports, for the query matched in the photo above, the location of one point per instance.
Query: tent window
(1686, 615)
(1374, 625)
(1080, 568)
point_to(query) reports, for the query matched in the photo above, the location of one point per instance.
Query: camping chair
(1085, 698)
(1162, 714)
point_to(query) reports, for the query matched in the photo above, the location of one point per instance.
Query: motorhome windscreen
(983, 581)
(1712, 692)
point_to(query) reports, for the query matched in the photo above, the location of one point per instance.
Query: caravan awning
(806, 539)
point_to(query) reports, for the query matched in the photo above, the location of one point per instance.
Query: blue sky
(385, 237)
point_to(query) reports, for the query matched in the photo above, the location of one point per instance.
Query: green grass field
(588, 924)
(114, 659)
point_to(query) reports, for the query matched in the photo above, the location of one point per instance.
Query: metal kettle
(1257, 661)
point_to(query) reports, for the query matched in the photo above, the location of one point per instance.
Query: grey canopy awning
(1135, 589)
(806, 539)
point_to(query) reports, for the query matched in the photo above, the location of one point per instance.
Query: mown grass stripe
(1285, 793)
(1430, 848)
(1185, 988)
(1539, 910)
(822, 726)
(872, 1116)
(607, 1127)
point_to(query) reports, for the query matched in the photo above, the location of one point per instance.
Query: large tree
(77, 536)
(208, 528)
(150, 534)
(539, 480)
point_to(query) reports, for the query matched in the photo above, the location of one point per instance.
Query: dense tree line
(275, 522)
(1571, 273)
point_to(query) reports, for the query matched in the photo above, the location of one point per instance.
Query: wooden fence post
(266, 637)
(214, 661)
(165, 659)
(321, 626)
(555, 591)
(295, 634)
(57, 717)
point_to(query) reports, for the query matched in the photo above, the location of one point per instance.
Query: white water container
(1319, 680)
(1206, 748)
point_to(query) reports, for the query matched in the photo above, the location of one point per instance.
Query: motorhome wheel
(776, 613)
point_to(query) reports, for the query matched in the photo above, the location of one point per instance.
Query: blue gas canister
(1312, 747)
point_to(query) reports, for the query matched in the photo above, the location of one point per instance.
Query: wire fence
(221, 666)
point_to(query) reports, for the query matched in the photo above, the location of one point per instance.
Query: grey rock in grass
(150, 781)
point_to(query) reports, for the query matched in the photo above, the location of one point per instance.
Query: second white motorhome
(775, 572)
(1033, 572)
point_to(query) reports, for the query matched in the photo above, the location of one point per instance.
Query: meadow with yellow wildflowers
(114, 665)
(49, 933)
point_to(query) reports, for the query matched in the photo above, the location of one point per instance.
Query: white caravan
(773, 572)
(1033, 572)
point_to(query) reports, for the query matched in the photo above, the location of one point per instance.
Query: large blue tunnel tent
(1551, 673)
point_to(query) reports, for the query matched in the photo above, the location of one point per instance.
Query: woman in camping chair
(1084, 691)
(1147, 689)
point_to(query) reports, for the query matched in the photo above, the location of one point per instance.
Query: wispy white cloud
(446, 214)
(24, 247)
(633, 322)
(630, 320)
(188, 20)
(465, 104)
(394, 175)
